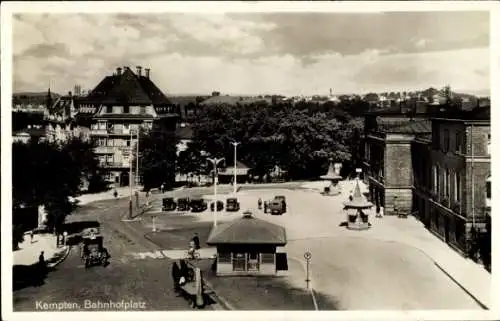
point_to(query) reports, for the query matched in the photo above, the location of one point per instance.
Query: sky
(256, 53)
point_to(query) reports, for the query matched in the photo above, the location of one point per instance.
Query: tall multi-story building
(452, 190)
(436, 167)
(116, 109)
(387, 157)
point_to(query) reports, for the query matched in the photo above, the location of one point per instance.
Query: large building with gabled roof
(116, 109)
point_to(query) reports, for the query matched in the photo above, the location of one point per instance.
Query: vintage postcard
(253, 159)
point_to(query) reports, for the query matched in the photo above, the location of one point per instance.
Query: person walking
(259, 202)
(115, 193)
(41, 268)
(176, 277)
(196, 241)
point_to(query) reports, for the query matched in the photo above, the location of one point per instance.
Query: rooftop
(248, 230)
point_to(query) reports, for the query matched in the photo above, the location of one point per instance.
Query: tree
(48, 174)
(157, 155)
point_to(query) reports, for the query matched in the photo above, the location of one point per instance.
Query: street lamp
(215, 162)
(235, 144)
(130, 179)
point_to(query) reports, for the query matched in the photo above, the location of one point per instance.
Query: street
(349, 269)
(147, 282)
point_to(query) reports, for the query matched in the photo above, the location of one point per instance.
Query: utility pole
(235, 144)
(472, 178)
(215, 162)
(137, 160)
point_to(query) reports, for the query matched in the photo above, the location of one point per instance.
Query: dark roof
(126, 88)
(410, 127)
(124, 116)
(248, 230)
(478, 113)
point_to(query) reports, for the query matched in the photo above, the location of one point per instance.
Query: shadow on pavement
(30, 275)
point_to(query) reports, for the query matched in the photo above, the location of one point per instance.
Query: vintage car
(220, 206)
(232, 204)
(183, 204)
(276, 207)
(198, 205)
(169, 204)
(92, 251)
(283, 200)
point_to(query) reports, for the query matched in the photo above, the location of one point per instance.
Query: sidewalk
(107, 195)
(28, 252)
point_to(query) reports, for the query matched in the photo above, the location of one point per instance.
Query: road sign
(307, 255)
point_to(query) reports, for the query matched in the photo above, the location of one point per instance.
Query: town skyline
(277, 53)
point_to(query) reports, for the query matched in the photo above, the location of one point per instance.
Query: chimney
(147, 72)
(118, 71)
(139, 70)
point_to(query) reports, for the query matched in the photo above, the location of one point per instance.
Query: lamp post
(130, 179)
(235, 144)
(215, 162)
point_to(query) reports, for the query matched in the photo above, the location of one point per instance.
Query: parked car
(232, 205)
(198, 205)
(283, 200)
(92, 251)
(169, 204)
(183, 204)
(220, 206)
(276, 207)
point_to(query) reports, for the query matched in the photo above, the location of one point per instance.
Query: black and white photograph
(218, 156)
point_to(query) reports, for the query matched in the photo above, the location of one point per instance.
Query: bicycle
(195, 255)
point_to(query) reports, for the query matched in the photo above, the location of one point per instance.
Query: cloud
(255, 53)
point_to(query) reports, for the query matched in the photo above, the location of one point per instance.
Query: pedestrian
(115, 193)
(41, 268)
(265, 206)
(163, 188)
(196, 241)
(176, 276)
(260, 203)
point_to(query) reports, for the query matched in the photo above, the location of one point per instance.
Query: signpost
(307, 256)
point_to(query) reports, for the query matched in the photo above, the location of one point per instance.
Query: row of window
(445, 177)
(110, 142)
(104, 125)
(110, 159)
(459, 142)
(244, 262)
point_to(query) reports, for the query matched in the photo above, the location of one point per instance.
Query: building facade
(116, 111)
(452, 190)
(436, 168)
(388, 169)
